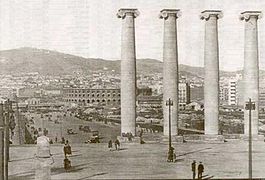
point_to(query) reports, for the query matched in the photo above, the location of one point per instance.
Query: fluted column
(170, 69)
(211, 69)
(128, 70)
(251, 68)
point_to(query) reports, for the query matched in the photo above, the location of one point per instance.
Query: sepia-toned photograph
(132, 89)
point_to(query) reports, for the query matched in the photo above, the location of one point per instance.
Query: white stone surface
(211, 67)
(251, 68)
(170, 69)
(128, 71)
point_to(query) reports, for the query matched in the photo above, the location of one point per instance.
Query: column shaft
(251, 73)
(128, 73)
(170, 74)
(211, 78)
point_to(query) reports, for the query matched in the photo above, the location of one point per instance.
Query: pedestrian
(117, 144)
(63, 140)
(200, 170)
(193, 168)
(56, 139)
(170, 155)
(67, 163)
(67, 149)
(130, 137)
(110, 145)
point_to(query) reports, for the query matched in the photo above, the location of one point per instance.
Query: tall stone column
(170, 69)
(251, 68)
(128, 71)
(211, 71)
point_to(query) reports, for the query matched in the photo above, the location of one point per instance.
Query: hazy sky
(90, 28)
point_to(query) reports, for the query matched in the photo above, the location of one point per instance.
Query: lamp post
(250, 106)
(169, 103)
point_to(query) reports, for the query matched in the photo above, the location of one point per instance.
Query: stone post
(211, 69)
(128, 71)
(170, 69)
(251, 68)
(43, 159)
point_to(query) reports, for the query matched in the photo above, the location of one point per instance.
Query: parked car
(86, 129)
(71, 131)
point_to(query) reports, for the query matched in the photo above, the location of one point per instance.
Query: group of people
(117, 144)
(200, 169)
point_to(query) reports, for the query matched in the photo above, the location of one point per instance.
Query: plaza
(144, 161)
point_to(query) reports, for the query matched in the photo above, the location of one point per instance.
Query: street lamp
(169, 103)
(250, 106)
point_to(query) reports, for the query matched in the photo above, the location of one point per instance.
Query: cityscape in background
(46, 89)
(132, 89)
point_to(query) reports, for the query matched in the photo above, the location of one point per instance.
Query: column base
(204, 138)
(255, 137)
(126, 140)
(174, 139)
(243, 137)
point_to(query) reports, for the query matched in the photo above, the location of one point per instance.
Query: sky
(90, 28)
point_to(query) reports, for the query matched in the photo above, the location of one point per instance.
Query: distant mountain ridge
(47, 62)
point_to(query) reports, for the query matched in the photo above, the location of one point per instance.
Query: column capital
(205, 15)
(247, 14)
(165, 13)
(130, 12)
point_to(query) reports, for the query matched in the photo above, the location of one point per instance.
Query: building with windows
(85, 97)
(232, 92)
(184, 95)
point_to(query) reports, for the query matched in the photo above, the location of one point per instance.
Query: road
(69, 122)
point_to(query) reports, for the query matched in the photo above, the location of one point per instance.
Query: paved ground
(147, 161)
(106, 131)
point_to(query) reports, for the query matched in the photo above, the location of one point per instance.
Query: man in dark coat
(117, 144)
(193, 168)
(200, 170)
(110, 145)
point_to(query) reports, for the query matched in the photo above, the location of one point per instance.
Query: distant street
(70, 122)
(95, 161)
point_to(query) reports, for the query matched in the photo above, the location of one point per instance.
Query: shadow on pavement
(191, 152)
(75, 155)
(73, 169)
(24, 175)
(121, 149)
(22, 159)
(98, 174)
(207, 176)
(179, 160)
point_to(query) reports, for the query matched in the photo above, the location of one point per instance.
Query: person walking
(117, 144)
(67, 149)
(200, 170)
(170, 155)
(193, 168)
(110, 145)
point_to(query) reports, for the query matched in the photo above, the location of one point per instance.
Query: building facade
(232, 92)
(184, 95)
(84, 97)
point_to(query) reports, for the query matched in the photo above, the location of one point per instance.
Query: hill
(47, 62)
